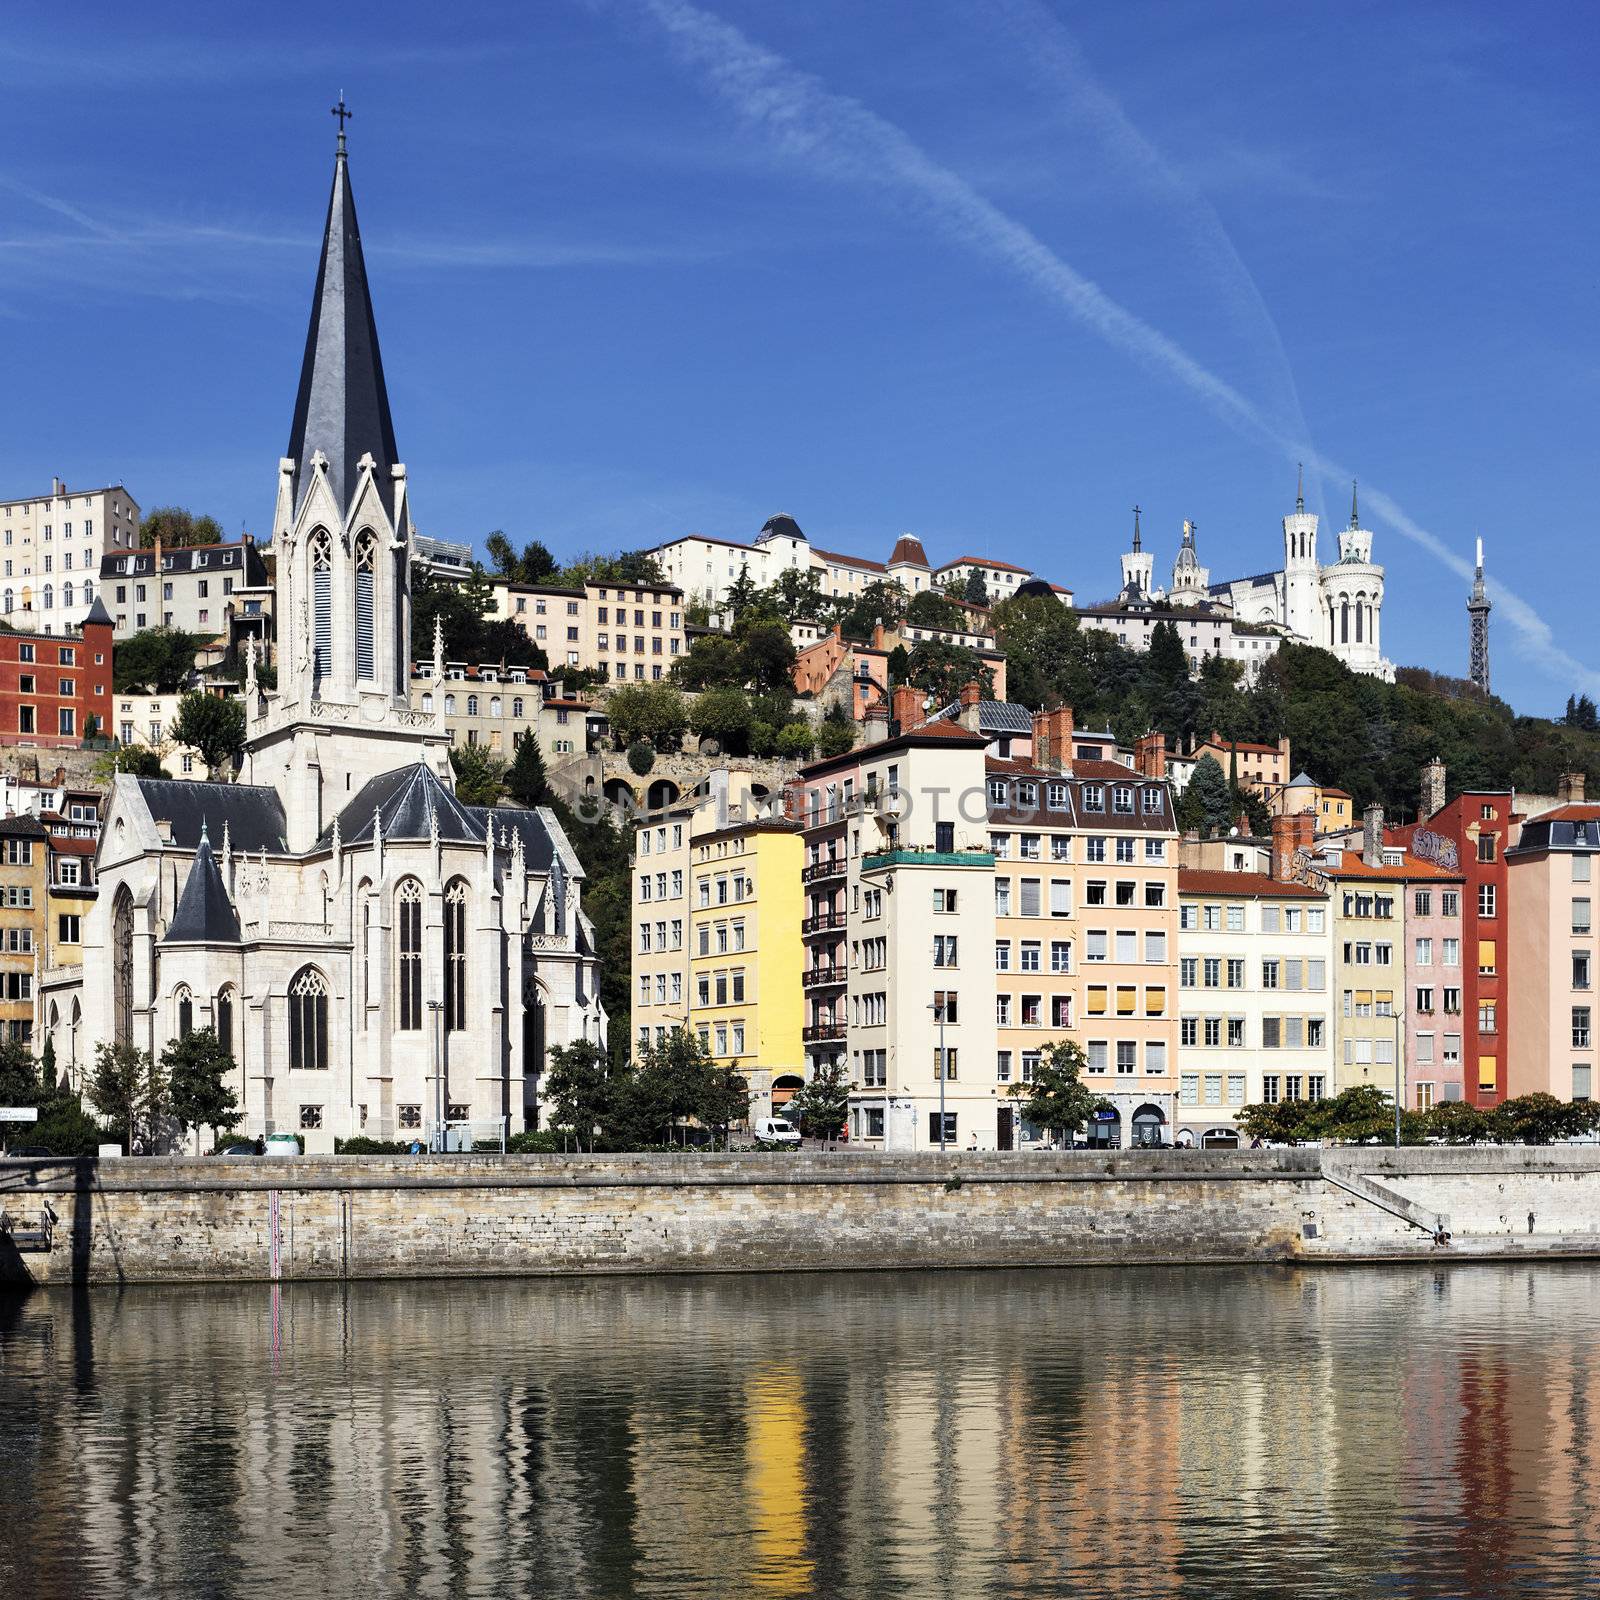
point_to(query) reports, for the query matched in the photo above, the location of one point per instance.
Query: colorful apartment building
(1550, 872)
(745, 976)
(24, 885)
(55, 689)
(1471, 835)
(1255, 1000)
(627, 632)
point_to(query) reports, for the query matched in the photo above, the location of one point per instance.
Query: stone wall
(185, 1220)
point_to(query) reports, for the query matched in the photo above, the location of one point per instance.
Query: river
(1250, 1431)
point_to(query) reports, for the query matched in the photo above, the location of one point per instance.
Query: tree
(824, 1102)
(724, 715)
(766, 656)
(724, 1100)
(138, 761)
(177, 528)
(881, 604)
(1281, 1122)
(797, 594)
(653, 711)
(526, 782)
(1058, 1099)
(128, 1088)
(930, 609)
(213, 726)
(464, 612)
(641, 757)
(976, 591)
(944, 670)
(670, 1084)
(197, 1068)
(1456, 1122)
(534, 564)
(741, 595)
(580, 1090)
(154, 661)
(480, 777)
(837, 734)
(1541, 1119)
(1206, 807)
(1581, 713)
(714, 661)
(21, 1081)
(796, 741)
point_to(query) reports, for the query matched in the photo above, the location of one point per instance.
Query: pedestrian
(260, 1145)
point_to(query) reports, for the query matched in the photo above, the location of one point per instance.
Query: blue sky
(988, 272)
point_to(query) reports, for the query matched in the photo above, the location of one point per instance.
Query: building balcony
(820, 977)
(880, 859)
(823, 921)
(818, 1031)
(822, 871)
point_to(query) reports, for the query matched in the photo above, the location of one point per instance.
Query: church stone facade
(1338, 607)
(377, 955)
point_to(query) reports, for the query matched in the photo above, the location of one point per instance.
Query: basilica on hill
(379, 957)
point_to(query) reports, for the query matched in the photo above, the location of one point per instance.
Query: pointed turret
(343, 407)
(205, 914)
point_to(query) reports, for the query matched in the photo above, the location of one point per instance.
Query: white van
(774, 1130)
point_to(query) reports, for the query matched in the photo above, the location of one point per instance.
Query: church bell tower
(342, 538)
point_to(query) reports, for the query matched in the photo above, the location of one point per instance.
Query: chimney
(1283, 757)
(907, 709)
(877, 724)
(57, 488)
(1432, 789)
(1150, 755)
(971, 695)
(1052, 738)
(1569, 788)
(1290, 835)
(1372, 835)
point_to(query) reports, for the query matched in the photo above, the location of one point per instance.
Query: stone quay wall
(177, 1220)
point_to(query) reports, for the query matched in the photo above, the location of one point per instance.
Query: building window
(224, 1020)
(408, 914)
(310, 1118)
(308, 1020)
(122, 968)
(366, 568)
(455, 958)
(321, 555)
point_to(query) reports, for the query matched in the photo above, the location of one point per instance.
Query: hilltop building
(378, 957)
(53, 547)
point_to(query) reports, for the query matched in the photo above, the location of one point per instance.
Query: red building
(53, 686)
(1470, 834)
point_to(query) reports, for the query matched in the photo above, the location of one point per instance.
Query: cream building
(51, 547)
(147, 720)
(1255, 955)
(198, 589)
(628, 632)
(377, 956)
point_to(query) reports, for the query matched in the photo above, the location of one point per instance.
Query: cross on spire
(1300, 492)
(344, 114)
(1136, 529)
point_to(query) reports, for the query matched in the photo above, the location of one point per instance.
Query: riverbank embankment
(174, 1220)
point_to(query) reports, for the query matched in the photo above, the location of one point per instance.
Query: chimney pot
(1052, 738)
(1150, 755)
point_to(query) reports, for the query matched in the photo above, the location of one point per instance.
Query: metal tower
(1478, 608)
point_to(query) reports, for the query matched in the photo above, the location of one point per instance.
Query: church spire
(1136, 544)
(1355, 513)
(342, 408)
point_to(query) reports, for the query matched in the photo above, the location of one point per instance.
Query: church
(378, 957)
(1338, 607)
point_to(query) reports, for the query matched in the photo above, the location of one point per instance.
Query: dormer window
(1122, 799)
(1094, 797)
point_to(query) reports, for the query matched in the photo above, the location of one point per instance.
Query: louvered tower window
(366, 558)
(321, 605)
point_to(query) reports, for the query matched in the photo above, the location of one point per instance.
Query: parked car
(239, 1147)
(774, 1130)
(283, 1144)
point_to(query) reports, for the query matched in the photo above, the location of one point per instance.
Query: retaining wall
(187, 1220)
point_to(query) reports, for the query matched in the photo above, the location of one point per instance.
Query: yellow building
(745, 956)
(1333, 808)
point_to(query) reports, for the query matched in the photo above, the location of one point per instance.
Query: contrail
(842, 138)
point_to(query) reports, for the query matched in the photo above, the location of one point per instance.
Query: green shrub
(363, 1146)
(540, 1142)
(641, 756)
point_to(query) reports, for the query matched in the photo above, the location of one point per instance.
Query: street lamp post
(1397, 1079)
(938, 1008)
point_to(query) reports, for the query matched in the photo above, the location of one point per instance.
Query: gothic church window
(308, 1020)
(185, 1013)
(224, 1016)
(366, 561)
(122, 968)
(455, 958)
(408, 914)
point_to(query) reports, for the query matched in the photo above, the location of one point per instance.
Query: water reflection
(1157, 1432)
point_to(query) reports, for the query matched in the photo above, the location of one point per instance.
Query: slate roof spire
(205, 914)
(342, 408)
